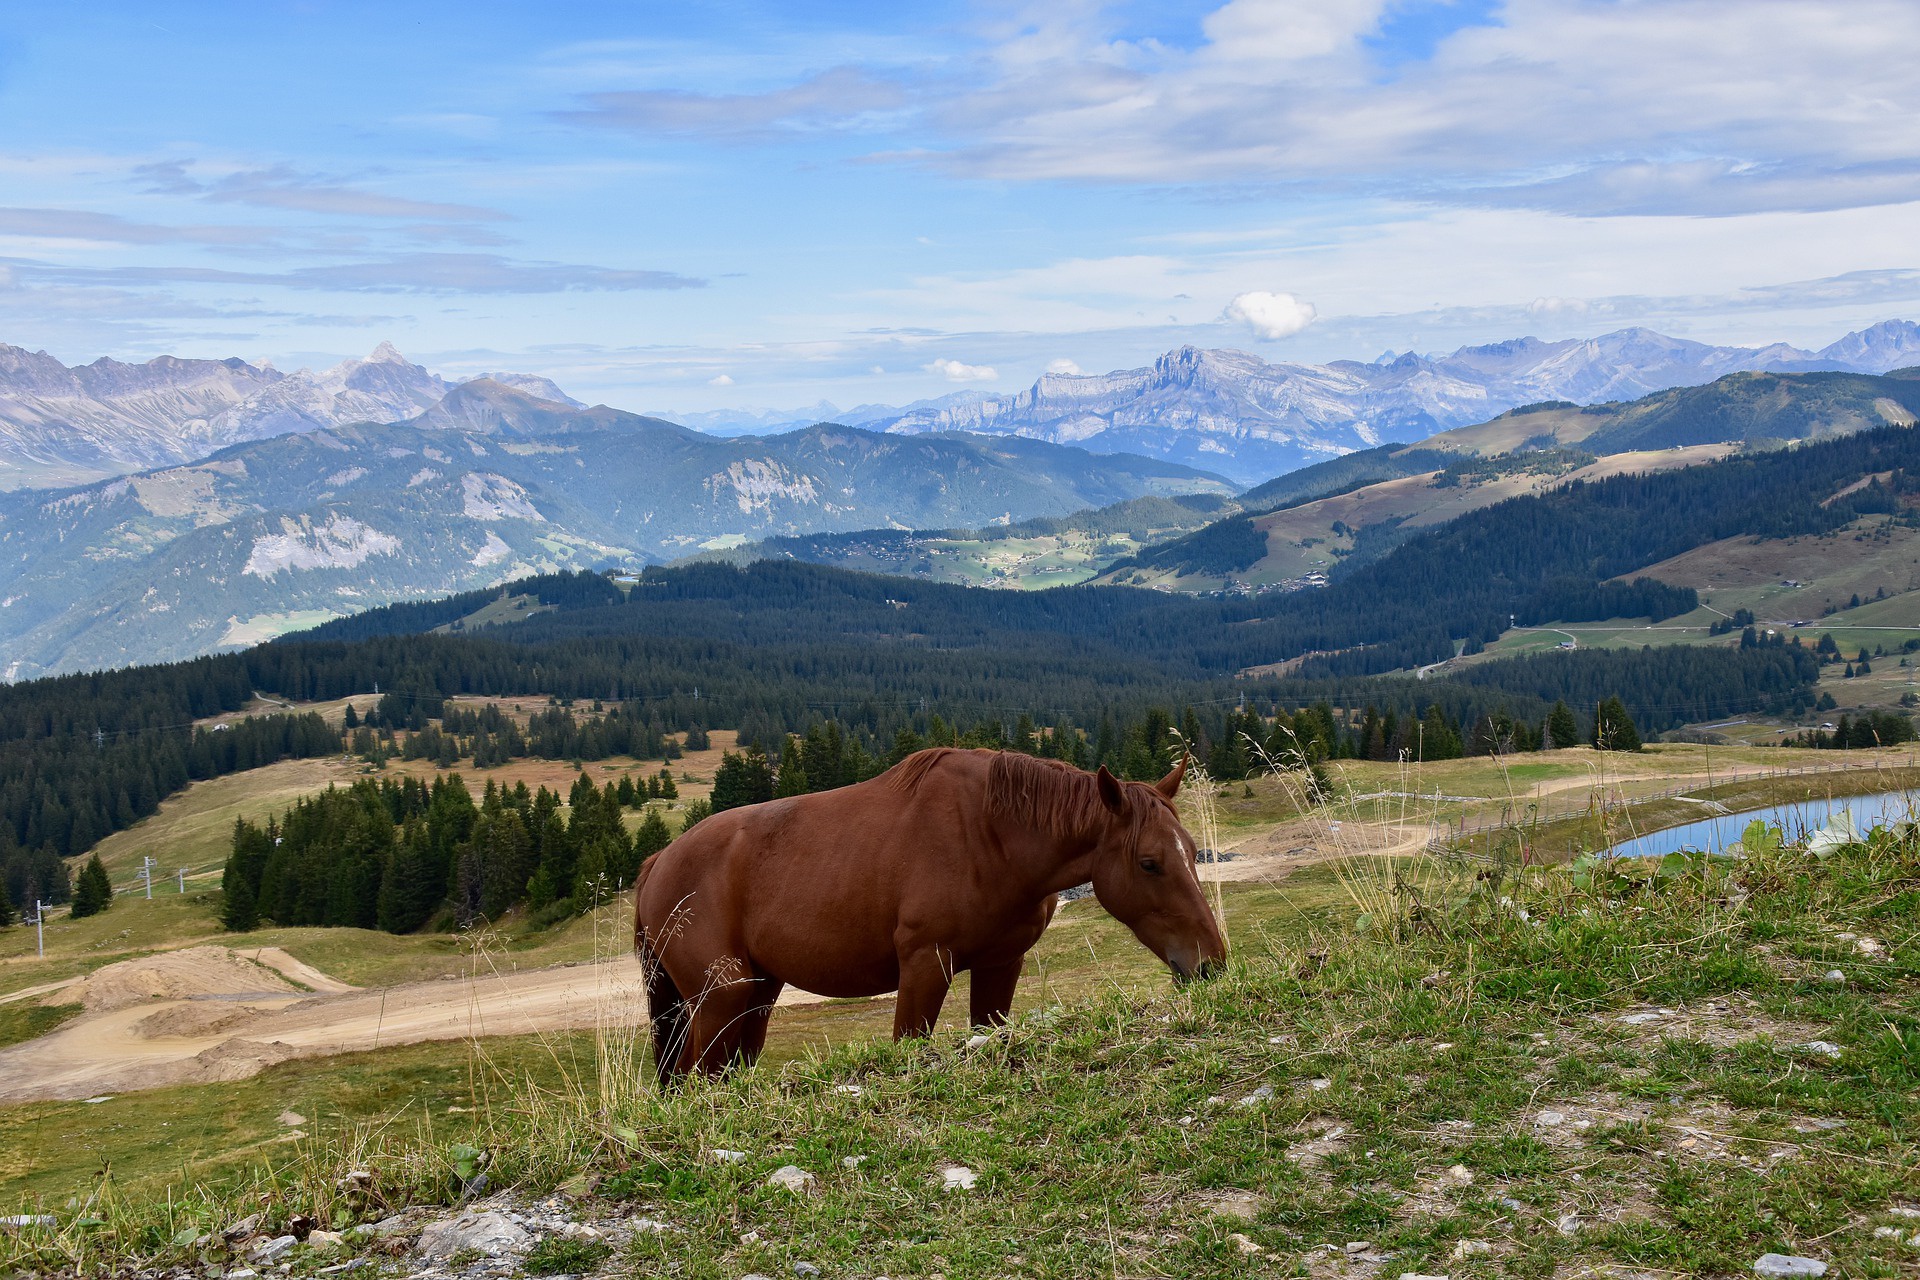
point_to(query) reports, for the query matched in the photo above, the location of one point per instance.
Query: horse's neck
(1049, 863)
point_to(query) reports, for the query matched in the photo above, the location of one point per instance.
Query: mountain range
(1248, 419)
(488, 483)
(61, 425)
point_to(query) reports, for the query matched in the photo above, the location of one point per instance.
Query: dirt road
(210, 1014)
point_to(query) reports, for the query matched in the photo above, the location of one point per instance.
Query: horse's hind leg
(729, 1024)
(992, 996)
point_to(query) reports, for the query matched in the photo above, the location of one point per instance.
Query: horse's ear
(1169, 786)
(1110, 794)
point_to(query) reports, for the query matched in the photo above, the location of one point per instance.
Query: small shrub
(564, 1256)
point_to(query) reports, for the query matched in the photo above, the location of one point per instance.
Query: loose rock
(1470, 1249)
(1826, 1049)
(957, 1178)
(1243, 1244)
(490, 1233)
(1786, 1266)
(791, 1177)
(272, 1250)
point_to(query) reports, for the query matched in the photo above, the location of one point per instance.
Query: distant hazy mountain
(1236, 414)
(67, 425)
(764, 422)
(488, 483)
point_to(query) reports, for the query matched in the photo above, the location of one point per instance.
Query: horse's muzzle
(1201, 972)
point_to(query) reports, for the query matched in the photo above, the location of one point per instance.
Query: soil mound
(173, 975)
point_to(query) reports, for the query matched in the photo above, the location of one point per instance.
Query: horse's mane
(1044, 795)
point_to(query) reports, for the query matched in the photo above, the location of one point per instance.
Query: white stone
(1835, 975)
(274, 1248)
(1415, 1275)
(1257, 1097)
(974, 1042)
(1320, 1083)
(851, 1090)
(325, 1239)
(725, 1156)
(852, 1162)
(1641, 1019)
(790, 1176)
(1243, 1244)
(1825, 1049)
(957, 1178)
(1785, 1266)
(489, 1233)
(1470, 1249)
(1568, 1224)
(1358, 1246)
(1550, 1119)
(1460, 1173)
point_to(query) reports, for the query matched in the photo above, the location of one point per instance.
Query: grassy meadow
(1412, 1068)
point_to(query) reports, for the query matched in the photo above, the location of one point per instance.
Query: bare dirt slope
(210, 1013)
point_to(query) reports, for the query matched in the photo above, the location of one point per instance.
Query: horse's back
(811, 888)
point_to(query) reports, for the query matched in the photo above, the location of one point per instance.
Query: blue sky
(742, 204)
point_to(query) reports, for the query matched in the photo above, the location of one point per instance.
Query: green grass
(27, 1019)
(1107, 1123)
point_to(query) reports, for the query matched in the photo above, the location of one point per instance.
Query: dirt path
(230, 1028)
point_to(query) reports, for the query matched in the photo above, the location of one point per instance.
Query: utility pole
(183, 879)
(147, 865)
(40, 925)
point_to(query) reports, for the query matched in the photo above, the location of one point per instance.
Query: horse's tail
(666, 1006)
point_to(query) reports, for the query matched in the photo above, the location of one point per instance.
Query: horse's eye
(1150, 865)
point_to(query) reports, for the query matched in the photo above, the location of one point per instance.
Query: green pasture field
(1540, 1075)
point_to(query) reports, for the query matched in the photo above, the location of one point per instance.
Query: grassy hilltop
(1471, 1070)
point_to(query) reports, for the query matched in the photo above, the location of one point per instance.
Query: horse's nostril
(1209, 969)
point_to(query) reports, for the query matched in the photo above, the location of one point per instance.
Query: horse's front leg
(925, 975)
(992, 997)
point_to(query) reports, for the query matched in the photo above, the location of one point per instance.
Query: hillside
(1384, 495)
(269, 536)
(1681, 1066)
(1046, 551)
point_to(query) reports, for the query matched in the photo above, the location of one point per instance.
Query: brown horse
(950, 860)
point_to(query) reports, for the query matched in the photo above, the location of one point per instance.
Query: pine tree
(792, 778)
(696, 811)
(1438, 738)
(1562, 729)
(94, 892)
(6, 908)
(667, 790)
(652, 837)
(238, 913)
(1613, 728)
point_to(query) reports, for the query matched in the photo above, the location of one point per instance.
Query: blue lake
(1798, 818)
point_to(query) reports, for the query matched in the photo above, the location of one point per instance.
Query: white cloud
(1063, 366)
(957, 372)
(1272, 316)
(1684, 107)
(720, 380)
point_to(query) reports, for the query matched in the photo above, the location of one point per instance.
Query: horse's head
(1144, 875)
